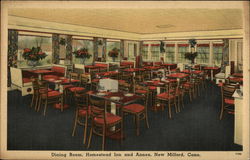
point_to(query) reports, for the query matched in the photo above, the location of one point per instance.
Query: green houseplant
(191, 55)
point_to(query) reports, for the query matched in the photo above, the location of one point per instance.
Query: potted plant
(33, 55)
(82, 54)
(191, 55)
(62, 41)
(162, 49)
(114, 53)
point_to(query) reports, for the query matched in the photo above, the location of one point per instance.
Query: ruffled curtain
(12, 51)
(140, 48)
(95, 55)
(122, 49)
(225, 55)
(69, 48)
(104, 49)
(55, 49)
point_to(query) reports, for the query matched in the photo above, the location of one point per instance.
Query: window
(217, 53)
(203, 53)
(155, 52)
(131, 51)
(170, 52)
(29, 41)
(145, 51)
(82, 43)
(182, 49)
(111, 45)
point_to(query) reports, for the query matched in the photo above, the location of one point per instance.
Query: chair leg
(221, 112)
(182, 100)
(169, 111)
(103, 137)
(32, 101)
(179, 103)
(36, 103)
(90, 136)
(146, 119)
(175, 105)
(137, 125)
(190, 95)
(45, 107)
(75, 123)
(85, 130)
(39, 104)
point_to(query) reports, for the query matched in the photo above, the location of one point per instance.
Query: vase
(113, 58)
(192, 61)
(32, 63)
(82, 60)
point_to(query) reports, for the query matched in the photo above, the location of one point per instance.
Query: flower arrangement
(82, 53)
(33, 54)
(114, 52)
(62, 41)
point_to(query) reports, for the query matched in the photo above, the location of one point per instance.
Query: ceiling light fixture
(165, 26)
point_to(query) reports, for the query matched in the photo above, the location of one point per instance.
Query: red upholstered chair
(35, 95)
(46, 97)
(125, 87)
(227, 104)
(103, 122)
(59, 71)
(168, 97)
(36, 92)
(85, 80)
(188, 88)
(82, 113)
(74, 78)
(139, 111)
(94, 80)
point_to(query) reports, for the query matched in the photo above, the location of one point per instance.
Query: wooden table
(192, 72)
(178, 75)
(40, 72)
(212, 69)
(124, 100)
(59, 85)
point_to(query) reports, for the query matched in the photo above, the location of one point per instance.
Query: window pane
(131, 51)
(169, 55)
(155, 52)
(78, 44)
(203, 54)
(110, 46)
(145, 52)
(217, 54)
(181, 54)
(25, 41)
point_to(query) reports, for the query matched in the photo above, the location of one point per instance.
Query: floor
(196, 128)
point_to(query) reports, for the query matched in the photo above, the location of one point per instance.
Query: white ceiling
(140, 20)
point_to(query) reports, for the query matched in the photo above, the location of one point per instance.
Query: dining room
(144, 77)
